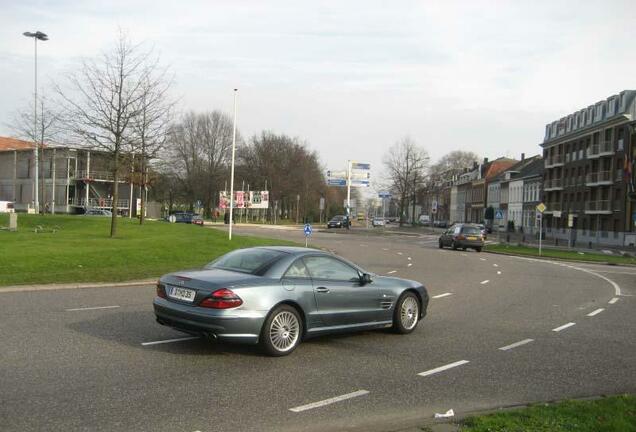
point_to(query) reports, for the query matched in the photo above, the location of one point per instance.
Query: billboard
(242, 199)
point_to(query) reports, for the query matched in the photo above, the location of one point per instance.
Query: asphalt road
(489, 340)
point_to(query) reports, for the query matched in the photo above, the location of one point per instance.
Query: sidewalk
(60, 286)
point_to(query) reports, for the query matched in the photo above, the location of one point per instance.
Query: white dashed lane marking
(498, 272)
(495, 265)
(596, 312)
(169, 341)
(516, 344)
(400, 253)
(614, 300)
(91, 308)
(563, 327)
(329, 401)
(443, 368)
(483, 259)
(409, 264)
(485, 282)
(391, 272)
(442, 295)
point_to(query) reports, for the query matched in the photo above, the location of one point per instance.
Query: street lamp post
(232, 169)
(38, 35)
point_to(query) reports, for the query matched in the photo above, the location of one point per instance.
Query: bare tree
(47, 130)
(454, 162)
(103, 102)
(151, 125)
(406, 164)
(200, 146)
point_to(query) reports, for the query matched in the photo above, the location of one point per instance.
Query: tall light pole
(38, 35)
(232, 169)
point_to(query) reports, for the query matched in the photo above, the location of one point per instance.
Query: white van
(424, 220)
(6, 207)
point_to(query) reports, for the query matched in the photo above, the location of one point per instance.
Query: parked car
(378, 222)
(338, 221)
(424, 220)
(185, 217)
(462, 236)
(98, 212)
(440, 224)
(484, 230)
(282, 295)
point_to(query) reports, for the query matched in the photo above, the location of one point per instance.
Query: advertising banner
(242, 199)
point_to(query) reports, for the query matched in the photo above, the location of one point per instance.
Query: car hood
(210, 278)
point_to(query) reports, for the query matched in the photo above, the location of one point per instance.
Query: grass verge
(561, 254)
(615, 414)
(79, 249)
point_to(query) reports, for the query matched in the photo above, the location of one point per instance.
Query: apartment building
(71, 179)
(588, 157)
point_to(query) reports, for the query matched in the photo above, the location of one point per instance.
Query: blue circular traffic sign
(308, 230)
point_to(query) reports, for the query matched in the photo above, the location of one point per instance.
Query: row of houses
(584, 177)
(70, 181)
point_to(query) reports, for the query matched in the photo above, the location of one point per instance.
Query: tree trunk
(113, 221)
(144, 181)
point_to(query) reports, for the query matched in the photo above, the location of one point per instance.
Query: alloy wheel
(284, 331)
(409, 313)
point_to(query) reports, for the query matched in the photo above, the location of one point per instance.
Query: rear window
(471, 230)
(252, 261)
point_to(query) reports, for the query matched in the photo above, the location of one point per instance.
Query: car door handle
(322, 289)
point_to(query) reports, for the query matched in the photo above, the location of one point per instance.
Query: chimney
(523, 156)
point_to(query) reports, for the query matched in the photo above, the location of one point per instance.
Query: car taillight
(222, 299)
(161, 290)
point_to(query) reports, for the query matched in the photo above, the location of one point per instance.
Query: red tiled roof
(497, 166)
(15, 144)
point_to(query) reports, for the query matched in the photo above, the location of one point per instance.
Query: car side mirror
(365, 278)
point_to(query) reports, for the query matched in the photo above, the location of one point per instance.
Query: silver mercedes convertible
(277, 296)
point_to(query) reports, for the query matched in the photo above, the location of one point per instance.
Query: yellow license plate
(472, 238)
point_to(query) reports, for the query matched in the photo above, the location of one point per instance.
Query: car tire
(478, 249)
(441, 245)
(406, 314)
(282, 331)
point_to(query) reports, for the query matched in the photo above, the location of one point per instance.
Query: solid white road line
(596, 312)
(169, 341)
(91, 308)
(442, 295)
(329, 401)
(485, 282)
(516, 344)
(563, 327)
(614, 300)
(443, 368)
(391, 272)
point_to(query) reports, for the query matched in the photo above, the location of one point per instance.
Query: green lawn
(80, 249)
(611, 414)
(560, 254)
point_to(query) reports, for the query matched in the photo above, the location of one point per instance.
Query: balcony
(554, 161)
(554, 184)
(598, 207)
(552, 207)
(103, 203)
(97, 176)
(606, 148)
(599, 178)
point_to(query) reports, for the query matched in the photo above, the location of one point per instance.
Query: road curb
(558, 259)
(52, 287)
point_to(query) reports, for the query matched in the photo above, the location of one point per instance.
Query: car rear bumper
(469, 243)
(227, 325)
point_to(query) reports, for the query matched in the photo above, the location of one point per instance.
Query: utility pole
(297, 205)
(232, 169)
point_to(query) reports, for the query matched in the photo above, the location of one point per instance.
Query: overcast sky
(351, 77)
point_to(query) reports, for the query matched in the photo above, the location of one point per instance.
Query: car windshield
(337, 218)
(471, 230)
(251, 261)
